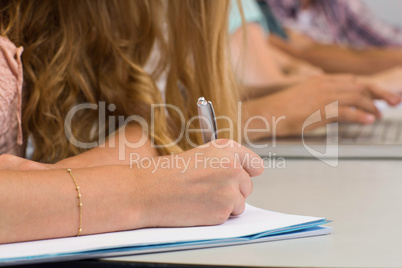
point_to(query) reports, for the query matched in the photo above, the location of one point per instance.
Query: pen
(207, 120)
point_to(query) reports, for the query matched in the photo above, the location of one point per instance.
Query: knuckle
(360, 88)
(355, 98)
(223, 214)
(227, 142)
(241, 207)
(345, 113)
(229, 194)
(231, 165)
(222, 141)
(236, 168)
(249, 189)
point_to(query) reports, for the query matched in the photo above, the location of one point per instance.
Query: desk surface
(362, 197)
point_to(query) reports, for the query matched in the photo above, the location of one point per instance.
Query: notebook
(253, 226)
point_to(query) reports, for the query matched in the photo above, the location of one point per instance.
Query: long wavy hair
(85, 51)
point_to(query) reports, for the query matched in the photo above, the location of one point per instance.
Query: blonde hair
(89, 51)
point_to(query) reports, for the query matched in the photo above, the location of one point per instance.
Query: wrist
(112, 199)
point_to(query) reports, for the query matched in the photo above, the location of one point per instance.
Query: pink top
(10, 97)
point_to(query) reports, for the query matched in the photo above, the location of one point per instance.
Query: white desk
(362, 197)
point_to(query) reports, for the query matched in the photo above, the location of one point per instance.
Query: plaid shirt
(342, 22)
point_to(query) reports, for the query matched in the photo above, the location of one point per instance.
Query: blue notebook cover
(253, 226)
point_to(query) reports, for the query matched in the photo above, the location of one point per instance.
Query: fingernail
(370, 118)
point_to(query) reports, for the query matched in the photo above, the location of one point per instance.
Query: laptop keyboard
(381, 132)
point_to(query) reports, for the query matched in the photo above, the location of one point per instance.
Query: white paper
(252, 221)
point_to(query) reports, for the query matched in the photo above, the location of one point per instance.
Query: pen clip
(207, 120)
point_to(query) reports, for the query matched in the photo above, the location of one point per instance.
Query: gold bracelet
(79, 200)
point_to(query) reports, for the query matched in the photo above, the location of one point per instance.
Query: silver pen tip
(201, 101)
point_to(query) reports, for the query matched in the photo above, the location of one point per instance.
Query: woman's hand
(355, 104)
(202, 186)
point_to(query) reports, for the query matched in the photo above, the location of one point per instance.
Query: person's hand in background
(297, 103)
(292, 66)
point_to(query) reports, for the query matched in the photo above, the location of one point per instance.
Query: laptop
(383, 139)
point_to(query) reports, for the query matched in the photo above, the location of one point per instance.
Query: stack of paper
(254, 225)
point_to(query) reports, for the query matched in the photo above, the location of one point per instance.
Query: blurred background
(388, 10)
